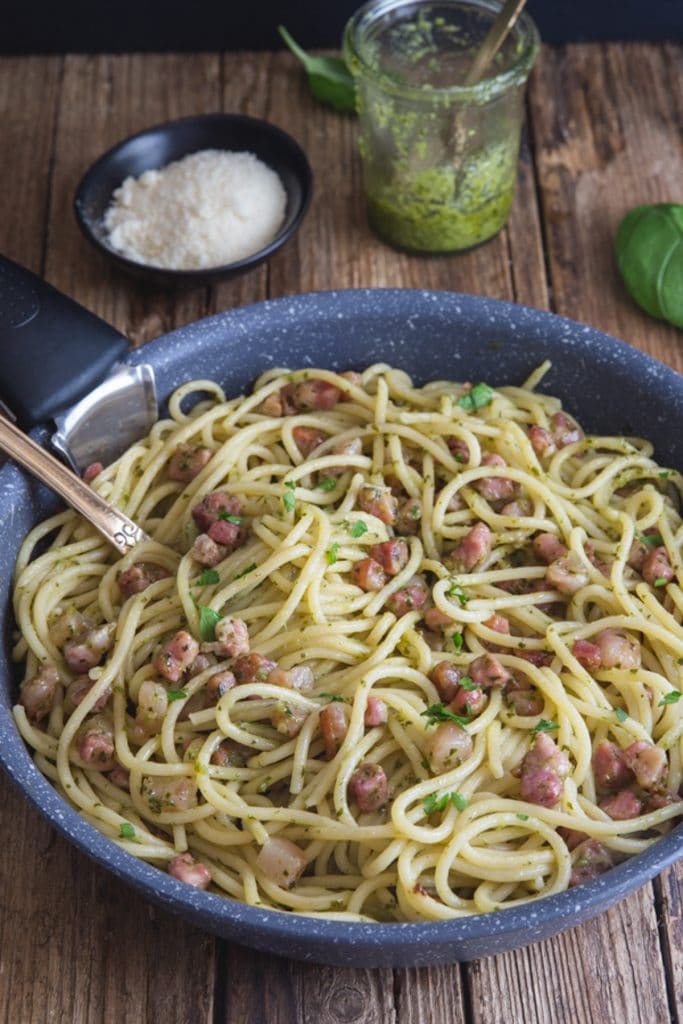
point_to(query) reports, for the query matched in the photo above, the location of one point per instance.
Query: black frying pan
(609, 386)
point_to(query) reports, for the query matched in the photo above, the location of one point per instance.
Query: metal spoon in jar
(494, 39)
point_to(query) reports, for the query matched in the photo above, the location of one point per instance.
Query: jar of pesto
(439, 156)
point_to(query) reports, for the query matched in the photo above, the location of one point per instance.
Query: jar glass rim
(481, 92)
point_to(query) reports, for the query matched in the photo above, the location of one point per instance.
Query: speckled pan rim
(314, 938)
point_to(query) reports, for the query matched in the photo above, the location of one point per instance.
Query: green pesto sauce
(433, 211)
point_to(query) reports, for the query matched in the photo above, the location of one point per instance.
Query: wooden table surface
(604, 133)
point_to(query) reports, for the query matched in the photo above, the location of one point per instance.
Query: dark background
(46, 26)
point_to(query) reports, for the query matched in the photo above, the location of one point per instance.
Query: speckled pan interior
(609, 386)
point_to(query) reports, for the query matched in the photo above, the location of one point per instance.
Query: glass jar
(439, 156)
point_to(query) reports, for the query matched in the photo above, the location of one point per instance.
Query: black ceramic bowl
(158, 146)
(611, 387)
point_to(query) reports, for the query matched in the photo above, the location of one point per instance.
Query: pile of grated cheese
(209, 209)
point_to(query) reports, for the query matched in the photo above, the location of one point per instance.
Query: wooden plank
(669, 895)
(611, 139)
(609, 970)
(29, 91)
(430, 994)
(261, 989)
(77, 945)
(525, 236)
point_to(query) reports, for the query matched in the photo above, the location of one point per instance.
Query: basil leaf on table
(649, 251)
(329, 78)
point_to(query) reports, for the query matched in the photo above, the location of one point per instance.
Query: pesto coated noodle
(393, 653)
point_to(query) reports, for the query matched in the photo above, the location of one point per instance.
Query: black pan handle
(52, 351)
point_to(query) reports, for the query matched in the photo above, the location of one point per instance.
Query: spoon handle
(495, 37)
(114, 526)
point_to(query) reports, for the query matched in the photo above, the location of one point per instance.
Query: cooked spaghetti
(393, 653)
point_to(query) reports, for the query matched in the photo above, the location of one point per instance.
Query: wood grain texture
(426, 994)
(29, 96)
(669, 893)
(604, 133)
(607, 970)
(78, 946)
(261, 989)
(611, 139)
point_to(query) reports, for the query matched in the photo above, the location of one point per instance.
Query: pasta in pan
(392, 653)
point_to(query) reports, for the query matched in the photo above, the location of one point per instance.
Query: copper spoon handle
(114, 526)
(494, 39)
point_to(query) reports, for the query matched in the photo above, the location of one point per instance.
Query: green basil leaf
(358, 529)
(649, 251)
(329, 78)
(126, 830)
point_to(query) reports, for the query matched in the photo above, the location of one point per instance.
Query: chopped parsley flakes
(331, 553)
(176, 695)
(457, 591)
(652, 540)
(435, 802)
(545, 725)
(358, 529)
(207, 577)
(327, 484)
(227, 517)
(126, 830)
(288, 499)
(440, 713)
(208, 620)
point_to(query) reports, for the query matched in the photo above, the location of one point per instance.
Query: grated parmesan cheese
(209, 209)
